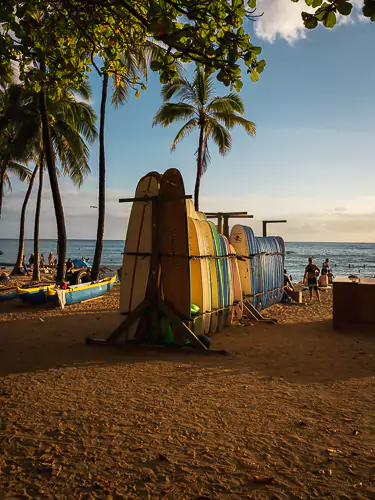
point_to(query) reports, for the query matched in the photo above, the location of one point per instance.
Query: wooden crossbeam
(266, 222)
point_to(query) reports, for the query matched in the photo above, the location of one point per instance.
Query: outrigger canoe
(80, 292)
(33, 295)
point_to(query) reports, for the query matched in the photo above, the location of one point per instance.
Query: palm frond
(230, 120)
(181, 89)
(119, 95)
(171, 112)
(73, 121)
(230, 103)
(72, 151)
(204, 86)
(7, 182)
(184, 131)
(206, 157)
(221, 137)
(22, 172)
(84, 91)
(84, 120)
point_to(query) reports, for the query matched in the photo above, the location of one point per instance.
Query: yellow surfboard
(206, 277)
(190, 209)
(196, 283)
(200, 216)
(214, 285)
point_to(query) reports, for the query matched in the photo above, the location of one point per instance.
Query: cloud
(309, 218)
(282, 18)
(80, 219)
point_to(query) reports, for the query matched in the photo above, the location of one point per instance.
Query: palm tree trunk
(21, 240)
(2, 180)
(199, 168)
(36, 269)
(3, 168)
(51, 166)
(101, 208)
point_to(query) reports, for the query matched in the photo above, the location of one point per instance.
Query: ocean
(345, 258)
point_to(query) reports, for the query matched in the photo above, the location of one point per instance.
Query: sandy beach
(288, 414)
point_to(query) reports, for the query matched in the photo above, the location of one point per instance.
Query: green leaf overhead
(326, 13)
(74, 33)
(329, 20)
(344, 8)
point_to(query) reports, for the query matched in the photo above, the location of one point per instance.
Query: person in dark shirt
(312, 272)
(69, 264)
(31, 260)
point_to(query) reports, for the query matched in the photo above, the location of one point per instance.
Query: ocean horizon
(345, 258)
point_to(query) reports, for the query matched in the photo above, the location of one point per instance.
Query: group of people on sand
(314, 277)
(52, 262)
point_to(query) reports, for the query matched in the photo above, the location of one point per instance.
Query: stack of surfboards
(261, 266)
(215, 282)
(198, 268)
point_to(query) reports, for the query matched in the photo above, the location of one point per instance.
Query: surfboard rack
(252, 313)
(223, 219)
(153, 305)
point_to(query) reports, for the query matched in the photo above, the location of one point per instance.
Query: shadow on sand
(301, 353)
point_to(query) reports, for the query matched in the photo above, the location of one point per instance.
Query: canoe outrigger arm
(153, 305)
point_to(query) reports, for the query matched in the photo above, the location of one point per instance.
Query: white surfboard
(136, 268)
(238, 241)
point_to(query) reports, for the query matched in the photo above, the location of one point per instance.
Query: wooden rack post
(223, 219)
(265, 222)
(153, 305)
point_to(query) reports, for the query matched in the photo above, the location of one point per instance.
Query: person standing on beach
(25, 266)
(326, 266)
(312, 272)
(42, 261)
(51, 258)
(31, 261)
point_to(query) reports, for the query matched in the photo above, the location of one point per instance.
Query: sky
(311, 162)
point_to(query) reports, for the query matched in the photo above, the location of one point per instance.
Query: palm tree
(134, 65)
(71, 122)
(76, 165)
(21, 240)
(213, 116)
(8, 168)
(36, 267)
(14, 148)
